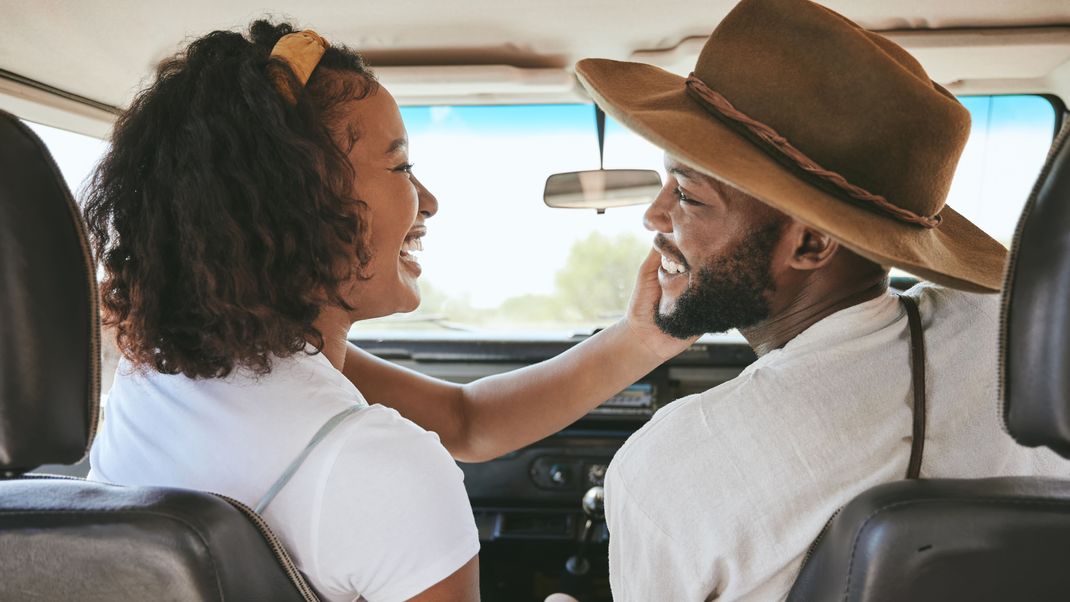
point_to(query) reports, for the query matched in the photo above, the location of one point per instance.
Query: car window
(1009, 140)
(76, 154)
(499, 263)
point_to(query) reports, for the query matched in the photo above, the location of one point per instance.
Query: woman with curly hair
(256, 201)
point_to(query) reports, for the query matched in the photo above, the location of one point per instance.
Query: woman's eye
(682, 196)
(405, 168)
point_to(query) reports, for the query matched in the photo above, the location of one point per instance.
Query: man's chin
(667, 322)
(665, 306)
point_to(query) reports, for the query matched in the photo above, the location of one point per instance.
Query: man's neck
(808, 307)
(333, 323)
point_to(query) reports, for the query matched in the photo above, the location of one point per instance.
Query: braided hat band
(720, 105)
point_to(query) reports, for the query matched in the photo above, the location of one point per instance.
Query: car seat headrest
(49, 324)
(1035, 321)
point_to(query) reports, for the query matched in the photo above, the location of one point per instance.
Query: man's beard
(728, 292)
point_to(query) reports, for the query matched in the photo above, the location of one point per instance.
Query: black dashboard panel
(556, 471)
(731, 352)
(701, 367)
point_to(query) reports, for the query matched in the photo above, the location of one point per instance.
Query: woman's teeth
(671, 266)
(410, 248)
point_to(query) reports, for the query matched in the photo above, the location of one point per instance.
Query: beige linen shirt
(721, 493)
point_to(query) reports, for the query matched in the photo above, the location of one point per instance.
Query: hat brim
(654, 103)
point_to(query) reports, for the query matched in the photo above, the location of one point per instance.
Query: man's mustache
(666, 247)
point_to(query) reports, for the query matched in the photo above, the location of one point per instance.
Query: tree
(534, 309)
(599, 275)
(594, 284)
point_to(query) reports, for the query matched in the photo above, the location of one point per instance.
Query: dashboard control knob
(596, 474)
(558, 474)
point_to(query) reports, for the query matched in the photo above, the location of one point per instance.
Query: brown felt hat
(832, 124)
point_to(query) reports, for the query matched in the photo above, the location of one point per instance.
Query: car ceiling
(105, 51)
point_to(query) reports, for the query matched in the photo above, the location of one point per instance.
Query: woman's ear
(811, 249)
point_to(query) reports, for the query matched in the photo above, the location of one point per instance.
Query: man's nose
(656, 217)
(428, 206)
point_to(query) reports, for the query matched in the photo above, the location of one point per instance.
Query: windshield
(496, 258)
(500, 264)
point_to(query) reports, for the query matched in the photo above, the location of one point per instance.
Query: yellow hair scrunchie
(302, 50)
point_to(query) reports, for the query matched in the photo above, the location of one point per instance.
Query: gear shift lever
(594, 503)
(594, 507)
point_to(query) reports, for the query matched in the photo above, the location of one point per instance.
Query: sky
(493, 237)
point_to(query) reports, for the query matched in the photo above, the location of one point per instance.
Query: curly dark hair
(222, 214)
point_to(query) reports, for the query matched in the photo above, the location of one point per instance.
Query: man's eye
(682, 196)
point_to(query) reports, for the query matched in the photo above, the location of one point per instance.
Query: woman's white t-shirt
(376, 512)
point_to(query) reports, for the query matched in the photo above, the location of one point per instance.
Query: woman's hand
(641, 309)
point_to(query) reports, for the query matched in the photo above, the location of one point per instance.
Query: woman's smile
(410, 249)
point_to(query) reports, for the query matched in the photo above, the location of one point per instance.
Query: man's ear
(811, 249)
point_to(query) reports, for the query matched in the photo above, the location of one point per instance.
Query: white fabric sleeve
(645, 563)
(394, 517)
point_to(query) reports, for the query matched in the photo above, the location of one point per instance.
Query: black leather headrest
(1035, 341)
(65, 539)
(49, 325)
(944, 540)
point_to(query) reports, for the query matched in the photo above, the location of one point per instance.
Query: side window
(76, 155)
(1009, 140)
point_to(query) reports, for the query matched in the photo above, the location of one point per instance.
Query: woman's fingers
(647, 291)
(644, 305)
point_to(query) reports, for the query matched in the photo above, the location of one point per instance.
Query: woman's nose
(428, 204)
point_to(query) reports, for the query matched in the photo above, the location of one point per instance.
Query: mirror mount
(600, 123)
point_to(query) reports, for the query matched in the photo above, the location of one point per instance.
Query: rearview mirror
(601, 188)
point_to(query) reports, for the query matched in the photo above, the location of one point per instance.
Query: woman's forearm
(497, 414)
(507, 411)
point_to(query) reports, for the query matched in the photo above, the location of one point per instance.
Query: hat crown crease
(855, 103)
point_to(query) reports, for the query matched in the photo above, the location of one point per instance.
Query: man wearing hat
(805, 157)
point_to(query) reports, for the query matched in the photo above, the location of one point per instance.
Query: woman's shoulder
(378, 432)
(416, 517)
